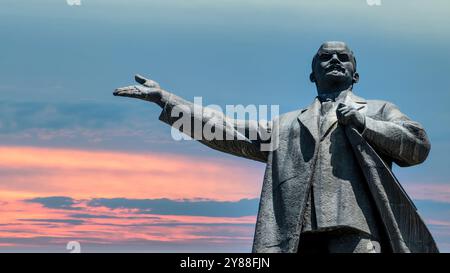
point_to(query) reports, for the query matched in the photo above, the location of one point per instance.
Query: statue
(328, 185)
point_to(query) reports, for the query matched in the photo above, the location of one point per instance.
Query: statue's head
(334, 65)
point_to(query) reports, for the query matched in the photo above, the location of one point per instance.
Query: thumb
(145, 82)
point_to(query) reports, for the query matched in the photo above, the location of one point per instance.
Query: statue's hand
(348, 115)
(148, 90)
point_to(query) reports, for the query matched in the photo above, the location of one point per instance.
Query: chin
(336, 77)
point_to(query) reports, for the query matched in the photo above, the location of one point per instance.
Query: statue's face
(334, 63)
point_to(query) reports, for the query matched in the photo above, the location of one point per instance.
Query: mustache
(332, 67)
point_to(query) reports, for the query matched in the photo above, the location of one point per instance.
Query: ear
(355, 77)
(312, 78)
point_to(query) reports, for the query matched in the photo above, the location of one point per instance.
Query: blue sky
(60, 63)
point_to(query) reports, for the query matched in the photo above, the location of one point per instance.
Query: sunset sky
(77, 164)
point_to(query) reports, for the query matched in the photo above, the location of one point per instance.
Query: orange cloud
(30, 171)
(24, 225)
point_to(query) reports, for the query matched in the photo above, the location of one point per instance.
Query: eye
(325, 56)
(343, 57)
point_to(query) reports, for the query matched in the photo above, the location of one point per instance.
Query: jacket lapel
(309, 118)
(357, 102)
(328, 122)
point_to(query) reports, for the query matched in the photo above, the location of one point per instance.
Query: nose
(335, 59)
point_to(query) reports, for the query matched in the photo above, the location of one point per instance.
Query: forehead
(331, 47)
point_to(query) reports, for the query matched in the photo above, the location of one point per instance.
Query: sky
(78, 164)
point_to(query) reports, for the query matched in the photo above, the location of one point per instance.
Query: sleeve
(397, 136)
(244, 138)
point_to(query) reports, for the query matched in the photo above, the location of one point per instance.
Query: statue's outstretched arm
(242, 138)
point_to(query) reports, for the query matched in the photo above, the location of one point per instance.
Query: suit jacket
(339, 197)
(389, 136)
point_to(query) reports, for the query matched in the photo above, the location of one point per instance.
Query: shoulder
(379, 102)
(385, 110)
(372, 103)
(379, 108)
(292, 114)
(289, 115)
(381, 105)
(286, 119)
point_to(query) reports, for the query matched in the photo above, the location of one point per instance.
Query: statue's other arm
(397, 136)
(239, 137)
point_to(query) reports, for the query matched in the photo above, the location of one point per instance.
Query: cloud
(110, 198)
(37, 240)
(429, 191)
(55, 202)
(440, 223)
(79, 124)
(62, 221)
(108, 174)
(92, 216)
(18, 116)
(244, 207)
(40, 244)
(100, 228)
(164, 206)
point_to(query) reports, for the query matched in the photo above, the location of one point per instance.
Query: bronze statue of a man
(328, 185)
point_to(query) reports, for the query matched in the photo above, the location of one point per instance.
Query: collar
(335, 96)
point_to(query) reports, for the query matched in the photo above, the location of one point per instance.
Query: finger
(120, 91)
(145, 82)
(348, 112)
(343, 110)
(341, 105)
(339, 112)
(140, 79)
(127, 91)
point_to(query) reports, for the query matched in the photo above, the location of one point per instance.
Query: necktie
(326, 118)
(326, 107)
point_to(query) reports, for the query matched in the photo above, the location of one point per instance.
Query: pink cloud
(429, 191)
(30, 172)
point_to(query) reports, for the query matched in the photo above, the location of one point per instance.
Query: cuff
(166, 97)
